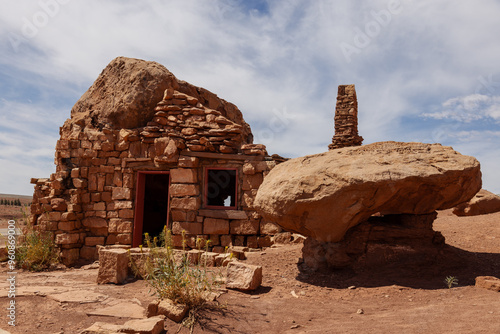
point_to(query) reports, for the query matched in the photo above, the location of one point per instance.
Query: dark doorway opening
(152, 205)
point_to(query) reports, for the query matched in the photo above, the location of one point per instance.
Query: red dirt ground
(409, 299)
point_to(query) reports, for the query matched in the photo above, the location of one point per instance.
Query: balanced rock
(483, 203)
(323, 195)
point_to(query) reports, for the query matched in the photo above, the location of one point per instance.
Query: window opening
(221, 190)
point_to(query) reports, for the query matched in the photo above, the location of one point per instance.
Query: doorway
(152, 204)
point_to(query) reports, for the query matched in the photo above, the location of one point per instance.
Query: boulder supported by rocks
(483, 203)
(324, 195)
(381, 240)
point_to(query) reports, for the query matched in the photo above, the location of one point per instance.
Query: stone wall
(346, 119)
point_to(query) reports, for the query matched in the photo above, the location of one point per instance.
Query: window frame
(205, 189)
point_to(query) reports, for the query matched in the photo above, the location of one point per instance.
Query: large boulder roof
(125, 95)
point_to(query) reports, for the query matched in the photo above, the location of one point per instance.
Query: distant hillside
(23, 198)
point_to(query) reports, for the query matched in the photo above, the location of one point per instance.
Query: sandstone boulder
(488, 282)
(175, 312)
(483, 203)
(127, 91)
(113, 265)
(243, 276)
(323, 195)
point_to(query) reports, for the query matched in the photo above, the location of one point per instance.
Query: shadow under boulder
(379, 241)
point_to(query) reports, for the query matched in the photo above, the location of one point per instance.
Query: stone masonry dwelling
(143, 150)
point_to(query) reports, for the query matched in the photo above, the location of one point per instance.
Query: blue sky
(424, 70)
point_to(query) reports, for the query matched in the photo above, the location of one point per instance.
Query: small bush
(172, 276)
(450, 281)
(36, 250)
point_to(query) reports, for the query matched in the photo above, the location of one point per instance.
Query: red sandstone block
(88, 253)
(188, 227)
(66, 226)
(95, 222)
(79, 183)
(264, 241)
(94, 241)
(226, 240)
(215, 226)
(244, 227)
(183, 175)
(70, 256)
(125, 227)
(111, 239)
(124, 239)
(101, 214)
(214, 239)
(100, 206)
(188, 161)
(186, 203)
(180, 190)
(106, 196)
(107, 169)
(67, 238)
(126, 213)
(252, 242)
(95, 197)
(75, 172)
(54, 216)
(58, 204)
(122, 205)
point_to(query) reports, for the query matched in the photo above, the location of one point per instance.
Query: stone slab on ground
(121, 310)
(488, 282)
(174, 312)
(78, 296)
(243, 276)
(102, 328)
(34, 291)
(153, 325)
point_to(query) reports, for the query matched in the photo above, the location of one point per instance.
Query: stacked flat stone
(203, 129)
(346, 119)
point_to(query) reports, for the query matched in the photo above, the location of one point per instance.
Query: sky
(424, 71)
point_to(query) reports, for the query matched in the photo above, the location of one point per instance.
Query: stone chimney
(346, 119)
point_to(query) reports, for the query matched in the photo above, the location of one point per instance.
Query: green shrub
(37, 250)
(172, 276)
(450, 281)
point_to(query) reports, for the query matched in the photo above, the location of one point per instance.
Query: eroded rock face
(483, 203)
(125, 95)
(322, 196)
(379, 241)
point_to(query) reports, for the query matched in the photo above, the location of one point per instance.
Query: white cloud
(288, 57)
(28, 134)
(474, 107)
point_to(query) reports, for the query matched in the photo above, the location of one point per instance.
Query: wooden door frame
(139, 204)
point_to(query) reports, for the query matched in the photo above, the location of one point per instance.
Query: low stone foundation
(377, 242)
